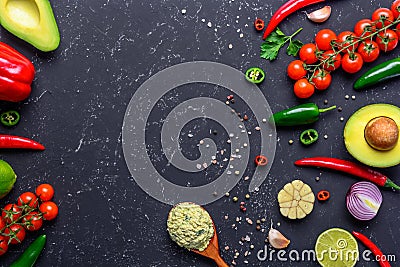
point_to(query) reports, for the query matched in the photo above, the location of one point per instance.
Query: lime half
(336, 248)
(7, 178)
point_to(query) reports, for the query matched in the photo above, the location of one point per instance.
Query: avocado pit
(382, 133)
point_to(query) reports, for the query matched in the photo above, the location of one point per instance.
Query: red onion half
(363, 200)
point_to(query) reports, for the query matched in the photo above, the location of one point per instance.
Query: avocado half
(358, 146)
(32, 21)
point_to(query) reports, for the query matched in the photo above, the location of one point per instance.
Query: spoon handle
(220, 262)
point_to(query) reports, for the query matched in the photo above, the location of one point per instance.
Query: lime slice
(7, 178)
(336, 248)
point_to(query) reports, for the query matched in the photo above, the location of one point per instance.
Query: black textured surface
(76, 109)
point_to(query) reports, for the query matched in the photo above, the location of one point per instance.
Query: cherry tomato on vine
(33, 221)
(384, 15)
(322, 79)
(333, 63)
(45, 192)
(352, 63)
(347, 40)
(28, 198)
(308, 53)
(395, 8)
(296, 70)
(16, 233)
(11, 213)
(364, 28)
(2, 223)
(303, 88)
(398, 30)
(324, 39)
(387, 41)
(49, 210)
(369, 51)
(3, 245)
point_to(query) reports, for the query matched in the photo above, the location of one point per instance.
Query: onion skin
(363, 200)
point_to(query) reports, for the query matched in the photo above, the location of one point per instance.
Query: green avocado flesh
(32, 21)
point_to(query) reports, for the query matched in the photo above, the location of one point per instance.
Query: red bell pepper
(16, 74)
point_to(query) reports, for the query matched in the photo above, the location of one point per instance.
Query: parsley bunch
(275, 41)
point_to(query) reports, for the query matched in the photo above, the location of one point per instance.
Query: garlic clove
(277, 240)
(320, 15)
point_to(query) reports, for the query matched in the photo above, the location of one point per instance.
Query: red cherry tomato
(11, 213)
(324, 39)
(382, 17)
(303, 88)
(395, 9)
(345, 39)
(15, 233)
(3, 245)
(45, 192)
(352, 63)
(398, 30)
(28, 198)
(364, 28)
(387, 41)
(49, 210)
(369, 51)
(33, 221)
(308, 54)
(296, 70)
(322, 79)
(332, 63)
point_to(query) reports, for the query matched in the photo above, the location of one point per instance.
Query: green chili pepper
(255, 75)
(30, 255)
(379, 73)
(10, 118)
(298, 115)
(308, 137)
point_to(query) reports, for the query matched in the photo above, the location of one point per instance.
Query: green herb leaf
(294, 48)
(274, 42)
(269, 50)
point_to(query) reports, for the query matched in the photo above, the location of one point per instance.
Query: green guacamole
(190, 226)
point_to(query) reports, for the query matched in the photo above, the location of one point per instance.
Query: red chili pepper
(11, 141)
(16, 74)
(284, 11)
(323, 195)
(350, 168)
(259, 24)
(375, 250)
(261, 160)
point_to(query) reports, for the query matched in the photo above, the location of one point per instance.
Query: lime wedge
(7, 178)
(336, 248)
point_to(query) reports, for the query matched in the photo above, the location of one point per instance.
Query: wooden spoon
(212, 250)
